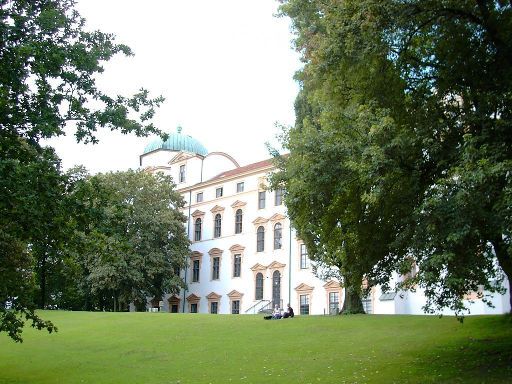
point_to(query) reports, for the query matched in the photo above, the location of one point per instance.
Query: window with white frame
(217, 226)
(258, 295)
(304, 260)
(261, 199)
(195, 271)
(198, 229)
(199, 197)
(235, 307)
(238, 221)
(219, 192)
(334, 303)
(260, 239)
(240, 187)
(278, 235)
(237, 265)
(215, 268)
(367, 304)
(182, 173)
(304, 304)
(278, 196)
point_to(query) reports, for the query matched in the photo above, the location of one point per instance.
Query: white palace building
(244, 254)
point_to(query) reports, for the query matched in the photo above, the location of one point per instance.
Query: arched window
(278, 235)
(197, 232)
(259, 287)
(238, 221)
(260, 239)
(217, 225)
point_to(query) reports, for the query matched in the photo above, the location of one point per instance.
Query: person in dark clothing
(289, 312)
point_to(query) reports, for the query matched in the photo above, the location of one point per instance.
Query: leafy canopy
(401, 152)
(48, 71)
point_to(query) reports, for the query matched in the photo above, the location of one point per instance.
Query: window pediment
(277, 217)
(180, 156)
(304, 288)
(197, 213)
(236, 248)
(217, 209)
(215, 252)
(196, 255)
(332, 285)
(258, 267)
(193, 298)
(235, 295)
(259, 221)
(213, 296)
(276, 265)
(238, 204)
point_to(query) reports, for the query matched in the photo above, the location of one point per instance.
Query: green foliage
(402, 150)
(132, 239)
(48, 67)
(325, 349)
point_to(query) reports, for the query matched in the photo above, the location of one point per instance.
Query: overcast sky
(225, 68)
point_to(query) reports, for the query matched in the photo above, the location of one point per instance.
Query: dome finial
(179, 129)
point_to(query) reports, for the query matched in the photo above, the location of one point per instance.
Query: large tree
(48, 67)
(407, 104)
(132, 243)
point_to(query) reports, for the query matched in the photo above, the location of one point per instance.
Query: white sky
(225, 68)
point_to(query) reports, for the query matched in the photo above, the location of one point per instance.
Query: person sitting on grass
(289, 312)
(276, 315)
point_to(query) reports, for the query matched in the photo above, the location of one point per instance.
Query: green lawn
(185, 348)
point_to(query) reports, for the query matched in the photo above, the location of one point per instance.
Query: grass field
(185, 348)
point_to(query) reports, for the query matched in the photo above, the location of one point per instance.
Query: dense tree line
(401, 154)
(48, 67)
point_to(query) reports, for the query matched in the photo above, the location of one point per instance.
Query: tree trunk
(42, 282)
(352, 303)
(500, 248)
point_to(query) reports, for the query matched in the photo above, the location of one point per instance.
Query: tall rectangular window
(239, 187)
(215, 268)
(218, 192)
(199, 197)
(304, 304)
(197, 229)
(367, 304)
(238, 221)
(235, 307)
(182, 173)
(304, 260)
(259, 286)
(260, 239)
(334, 303)
(195, 271)
(261, 199)
(214, 307)
(217, 225)
(193, 308)
(237, 265)
(278, 196)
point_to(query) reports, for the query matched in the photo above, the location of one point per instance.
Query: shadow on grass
(473, 359)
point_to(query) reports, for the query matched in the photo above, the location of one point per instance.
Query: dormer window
(182, 173)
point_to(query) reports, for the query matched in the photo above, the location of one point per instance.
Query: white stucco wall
(294, 280)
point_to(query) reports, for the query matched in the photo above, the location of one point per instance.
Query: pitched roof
(246, 168)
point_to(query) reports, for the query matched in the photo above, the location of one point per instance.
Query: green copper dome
(177, 142)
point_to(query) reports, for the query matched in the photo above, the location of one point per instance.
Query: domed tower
(177, 142)
(183, 157)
